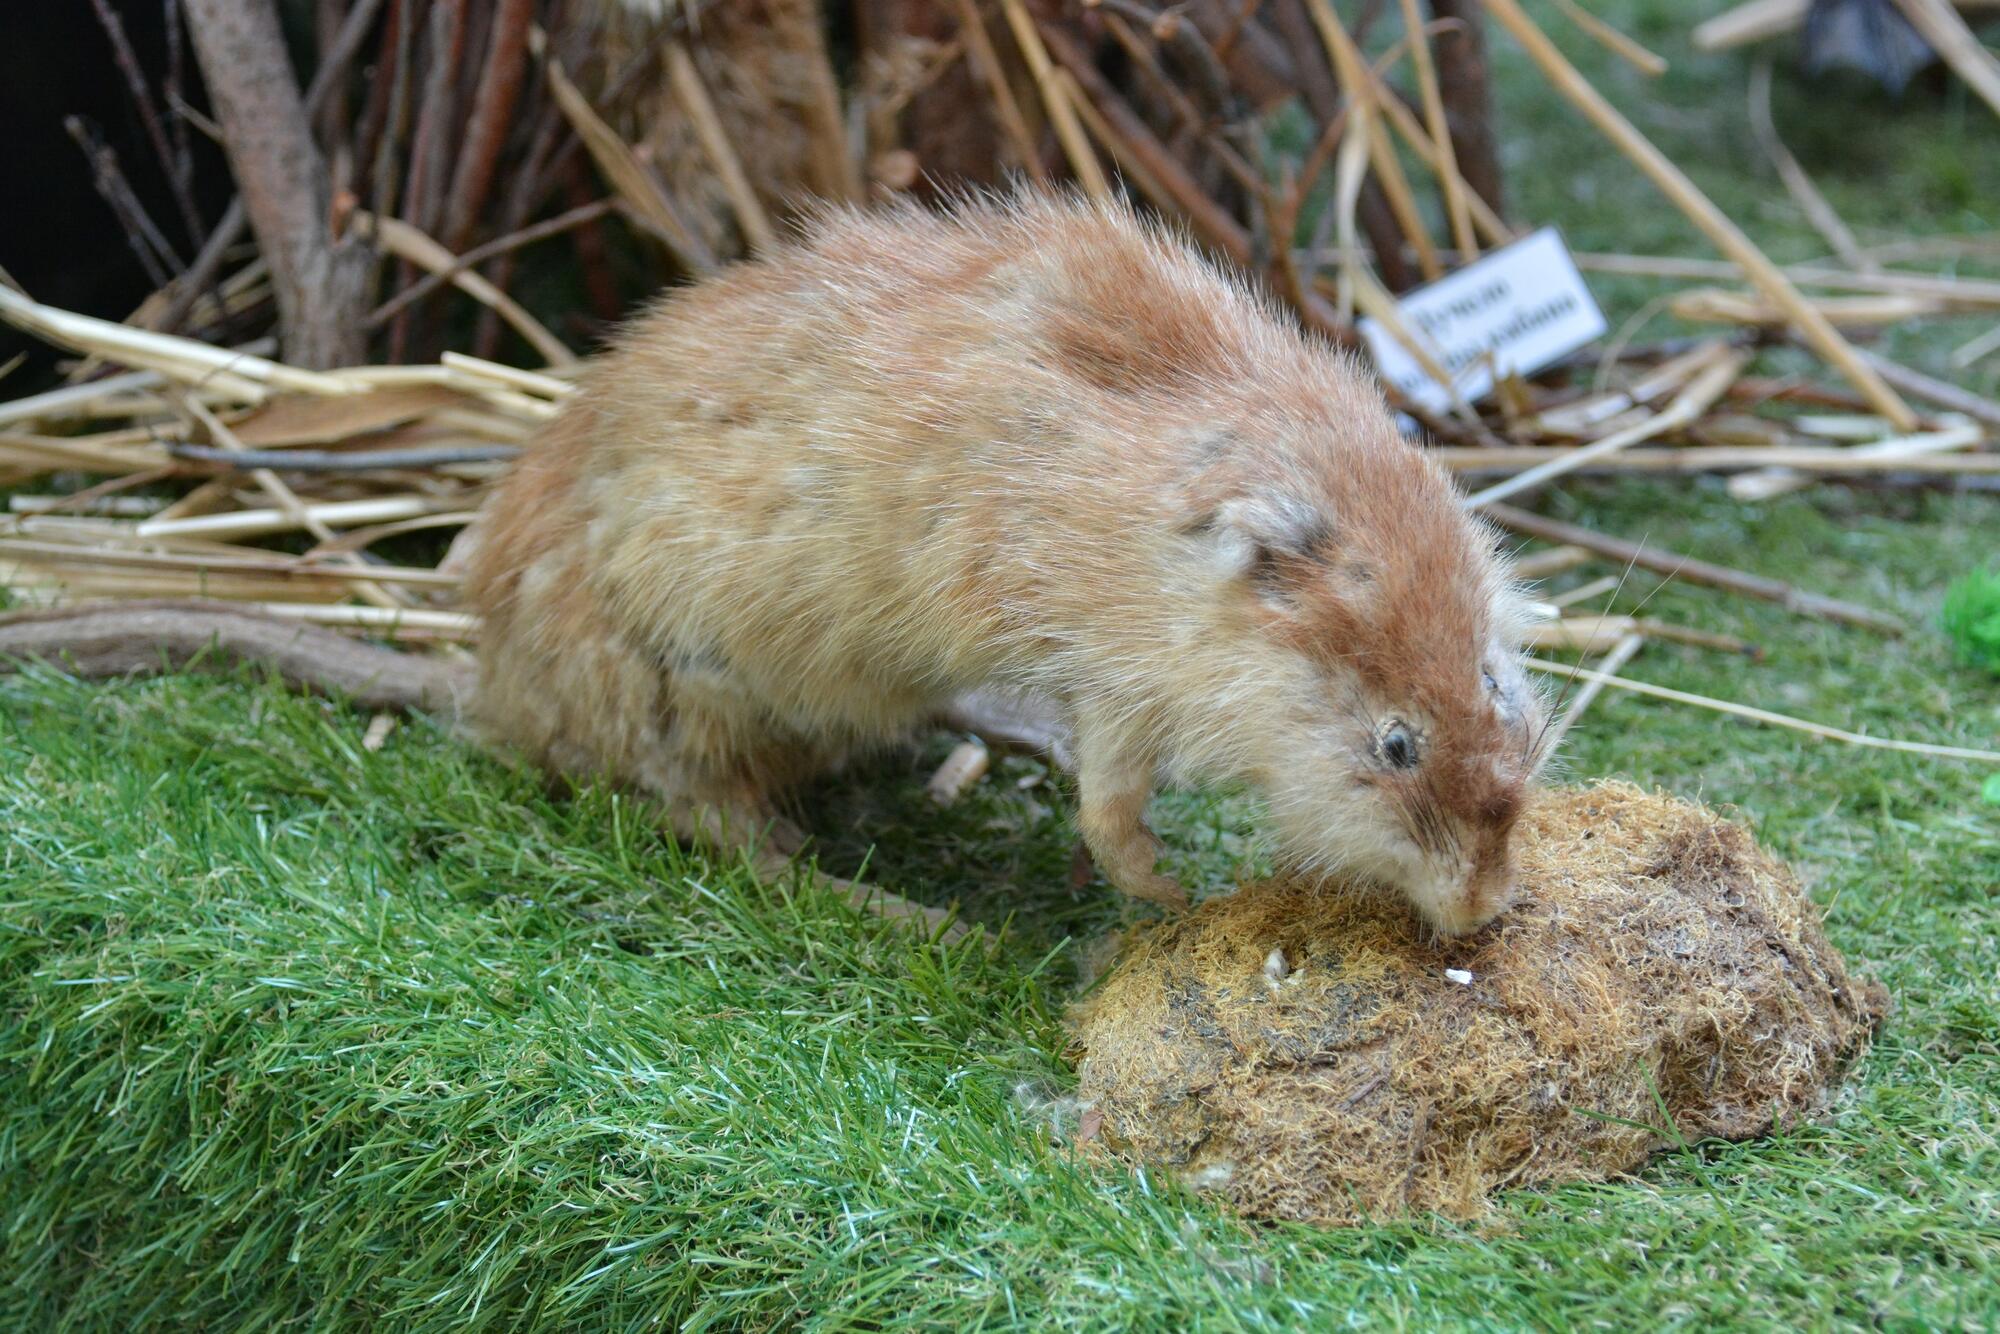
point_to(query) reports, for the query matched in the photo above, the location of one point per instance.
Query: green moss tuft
(1971, 617)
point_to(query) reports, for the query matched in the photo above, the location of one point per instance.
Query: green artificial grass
(297, 1034)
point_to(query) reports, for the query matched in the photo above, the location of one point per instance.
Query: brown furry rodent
(1039, 444)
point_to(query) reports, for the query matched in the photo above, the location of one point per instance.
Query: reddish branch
(1466, 86)
(320, 283)
(492, 117)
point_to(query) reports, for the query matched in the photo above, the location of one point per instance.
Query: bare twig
(142, 100)
(1677, 566)
(156, 255)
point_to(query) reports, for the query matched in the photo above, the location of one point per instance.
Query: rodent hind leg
(717, 774)
(1114, 781)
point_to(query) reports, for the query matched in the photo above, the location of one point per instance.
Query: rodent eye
(1398, 746)
(1492, 686)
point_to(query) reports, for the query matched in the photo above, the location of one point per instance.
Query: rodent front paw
(1161, 889)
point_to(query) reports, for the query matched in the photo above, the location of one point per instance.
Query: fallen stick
(1933, 390)
(1700, 210)
(1765, 715)
(1693, 571)
(103, 641)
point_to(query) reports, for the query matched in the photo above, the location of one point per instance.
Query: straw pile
(1309, 1056)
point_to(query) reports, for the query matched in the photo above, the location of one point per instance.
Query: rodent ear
(1255, 536)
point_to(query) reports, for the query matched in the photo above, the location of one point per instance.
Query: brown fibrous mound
(1659, 980)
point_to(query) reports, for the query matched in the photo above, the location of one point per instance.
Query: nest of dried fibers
(1311, 1055)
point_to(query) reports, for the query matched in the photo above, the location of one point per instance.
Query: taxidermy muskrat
(801, 506)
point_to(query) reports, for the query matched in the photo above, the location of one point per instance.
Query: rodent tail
(99, 641)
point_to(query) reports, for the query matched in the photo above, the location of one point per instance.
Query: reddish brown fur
(804, 504)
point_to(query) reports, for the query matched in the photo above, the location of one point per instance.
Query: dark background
(58, 238)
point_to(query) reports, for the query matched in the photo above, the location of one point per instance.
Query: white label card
(1513, 311)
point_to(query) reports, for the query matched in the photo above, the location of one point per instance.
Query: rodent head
(1378, 694)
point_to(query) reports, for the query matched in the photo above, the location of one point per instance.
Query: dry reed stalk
(621, 166)
(406, 242)
(1681, 634)
(1933, 390)
(1766, 716)
(1713, 305)
(176, 357)
(1581, 634)
(1358, 84)
(1062, 116)
(1747, 23)
(1133, 145)
(532, 382)
(692, 94)
(1554, 561)
(1688, 405)
(1769, 482)
(39, 454)
(288, 500)
(389, 620)
(1958, 294)
(966, 765)
(1973, 349)
(986, 64)
(1585, 592)
(1488, 222)
(283, 569)
(1648, 63)
(1699, 209)
(1957, 45)
(479, 254)
(237, 524)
